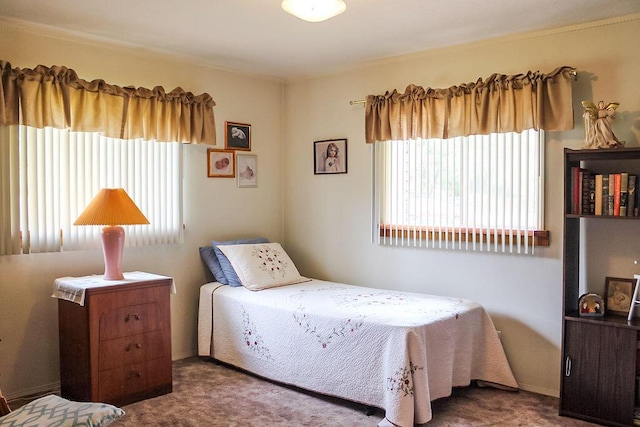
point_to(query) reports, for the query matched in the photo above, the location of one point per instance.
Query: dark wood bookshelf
(598, 382)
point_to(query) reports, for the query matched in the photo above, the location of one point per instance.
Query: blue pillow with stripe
(221, 268)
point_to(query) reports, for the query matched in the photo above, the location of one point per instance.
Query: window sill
(533, 237)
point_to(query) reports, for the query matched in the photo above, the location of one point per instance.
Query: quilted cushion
(262, 266)
(223, 271)
(55, 411)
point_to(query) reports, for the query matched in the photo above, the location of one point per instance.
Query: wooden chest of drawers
(117, 347)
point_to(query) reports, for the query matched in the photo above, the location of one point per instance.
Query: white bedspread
(393, 350)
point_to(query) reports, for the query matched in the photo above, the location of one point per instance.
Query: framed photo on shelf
(237, 136)
(247, 170)
(330, 156)
(617, 295)
(220, 163)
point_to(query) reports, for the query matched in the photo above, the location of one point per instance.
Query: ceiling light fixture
(314, 10)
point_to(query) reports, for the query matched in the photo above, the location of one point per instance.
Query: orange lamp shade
(111, 206)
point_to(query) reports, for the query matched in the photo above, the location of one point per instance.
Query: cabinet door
(599, 372)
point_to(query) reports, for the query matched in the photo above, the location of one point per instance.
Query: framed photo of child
(330, 156)
(618, 293)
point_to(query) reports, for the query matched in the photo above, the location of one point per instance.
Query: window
(57, 172)
(480, 192)
(63, 138)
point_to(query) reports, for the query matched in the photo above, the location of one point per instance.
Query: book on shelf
(598, 195)
(613, 194)
(576, 190)
(605, 194)
(624, 193)
(587, 192)
(616, 194)
(631, 200)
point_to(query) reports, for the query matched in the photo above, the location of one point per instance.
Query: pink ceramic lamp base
(113, 247)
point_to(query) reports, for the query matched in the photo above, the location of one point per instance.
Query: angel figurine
(597, 125)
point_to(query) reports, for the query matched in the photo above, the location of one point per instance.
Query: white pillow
(262, 265)
(53, 410)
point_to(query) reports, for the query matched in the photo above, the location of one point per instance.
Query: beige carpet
(207, 394)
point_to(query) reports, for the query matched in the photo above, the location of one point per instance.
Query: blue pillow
(208, 255)
(223, 271)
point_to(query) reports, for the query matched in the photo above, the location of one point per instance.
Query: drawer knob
(134, 316)
(136, 346)
(134, 374)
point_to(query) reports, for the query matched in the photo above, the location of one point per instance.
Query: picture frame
(324, 162)
(237, 136)
(221, 163)
(618, 293)
(247, 165)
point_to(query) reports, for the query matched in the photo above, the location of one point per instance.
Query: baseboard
(33, 392)
(539, 390)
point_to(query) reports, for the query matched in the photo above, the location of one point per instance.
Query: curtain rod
(573, 72)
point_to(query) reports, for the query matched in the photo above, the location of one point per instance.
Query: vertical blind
(49, 176)
(478, 192)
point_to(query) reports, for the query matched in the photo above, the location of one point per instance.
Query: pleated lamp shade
(112, 207)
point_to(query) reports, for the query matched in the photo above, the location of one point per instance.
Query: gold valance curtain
(56, 97)
(496, 105)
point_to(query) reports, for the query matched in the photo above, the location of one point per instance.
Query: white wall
(214, 207)
(328, 218)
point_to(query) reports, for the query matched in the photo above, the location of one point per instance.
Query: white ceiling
(258, 37)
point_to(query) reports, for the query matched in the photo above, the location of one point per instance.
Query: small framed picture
(247, 170)
(237, 136)
(220, 163)
(618, 293)
(330, 156)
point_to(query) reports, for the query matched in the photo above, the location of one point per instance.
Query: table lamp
(112, 207)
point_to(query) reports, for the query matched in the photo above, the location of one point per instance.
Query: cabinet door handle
(135, 316)
(567, 366)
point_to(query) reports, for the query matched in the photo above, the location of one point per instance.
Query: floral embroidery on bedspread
(269, 261)
(304, 292)
(431, 306)
(402, 380)
(372, 298)
(342, 329)
(252, 338)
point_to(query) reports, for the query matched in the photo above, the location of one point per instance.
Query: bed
(387, 349)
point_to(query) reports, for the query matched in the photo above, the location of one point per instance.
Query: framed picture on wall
(237, 136)
(330, 156)
(617, 295)
(247, 170)
(220, 163)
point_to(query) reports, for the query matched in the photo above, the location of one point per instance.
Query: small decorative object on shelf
(597, 125)
(591, 305)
